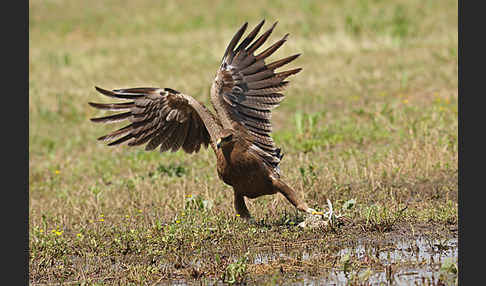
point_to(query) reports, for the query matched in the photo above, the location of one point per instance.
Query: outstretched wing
(161, 117)
(246, 89)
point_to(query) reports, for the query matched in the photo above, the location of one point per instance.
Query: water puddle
(395, 262)
(404, 262)
(398, 251)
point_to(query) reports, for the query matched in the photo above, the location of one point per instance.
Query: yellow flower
(178, 221)
(140, 211)
(188, 196)
(127, 216)
(57, 172)
(237, 215)
(101, 219)
(183, 214)
(405, 101)
(41, 230)
(79, 235)
(58, 233)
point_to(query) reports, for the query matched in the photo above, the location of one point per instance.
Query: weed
(400, 22)
(346, 262)
(349, 204)
(449, 266)
(197, 203)
(309, 175)
(449, 271)
(381, 218)
(236, 272)
(171, 170)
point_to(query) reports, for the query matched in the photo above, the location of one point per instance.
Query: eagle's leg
(240, 206)
(292, 196)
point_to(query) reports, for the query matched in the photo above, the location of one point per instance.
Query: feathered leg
(240, 206)
(291, 195)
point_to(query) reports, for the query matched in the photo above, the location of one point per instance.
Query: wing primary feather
(137, 90)
(112, 106)
(285, 74)
(116, 134)
(119, 94)
(121, 140)
(250, 37)
(260, 103)
(253, 67)
(260, 40)
(233, 42)
(272, 81)
(269, 90)
(282, 62)
(112, 118)
(270, 50)
(266, 98)
(259, 75)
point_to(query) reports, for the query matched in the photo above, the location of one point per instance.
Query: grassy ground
(370, 124)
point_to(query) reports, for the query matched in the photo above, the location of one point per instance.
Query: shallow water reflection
(410, 262)
(396, 262)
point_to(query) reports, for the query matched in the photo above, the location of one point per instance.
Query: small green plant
(400, 23)
(346, 262)
(449, 271)
(353, 26)
(449, 266)
(236, 272)
(305, 123)
(306, 129)
(172, 170)
(197, 203)
(381, 218)
(309, 175)
(349, 204)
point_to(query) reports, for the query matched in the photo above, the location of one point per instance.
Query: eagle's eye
(228, 138)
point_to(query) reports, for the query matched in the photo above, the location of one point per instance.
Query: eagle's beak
(218, 143)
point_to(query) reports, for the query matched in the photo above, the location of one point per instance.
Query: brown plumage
(243, 93)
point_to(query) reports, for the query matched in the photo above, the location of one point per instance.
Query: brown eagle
(243, 93)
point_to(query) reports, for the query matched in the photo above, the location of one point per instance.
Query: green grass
(371, 119)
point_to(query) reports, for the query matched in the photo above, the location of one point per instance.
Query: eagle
(243, 93)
